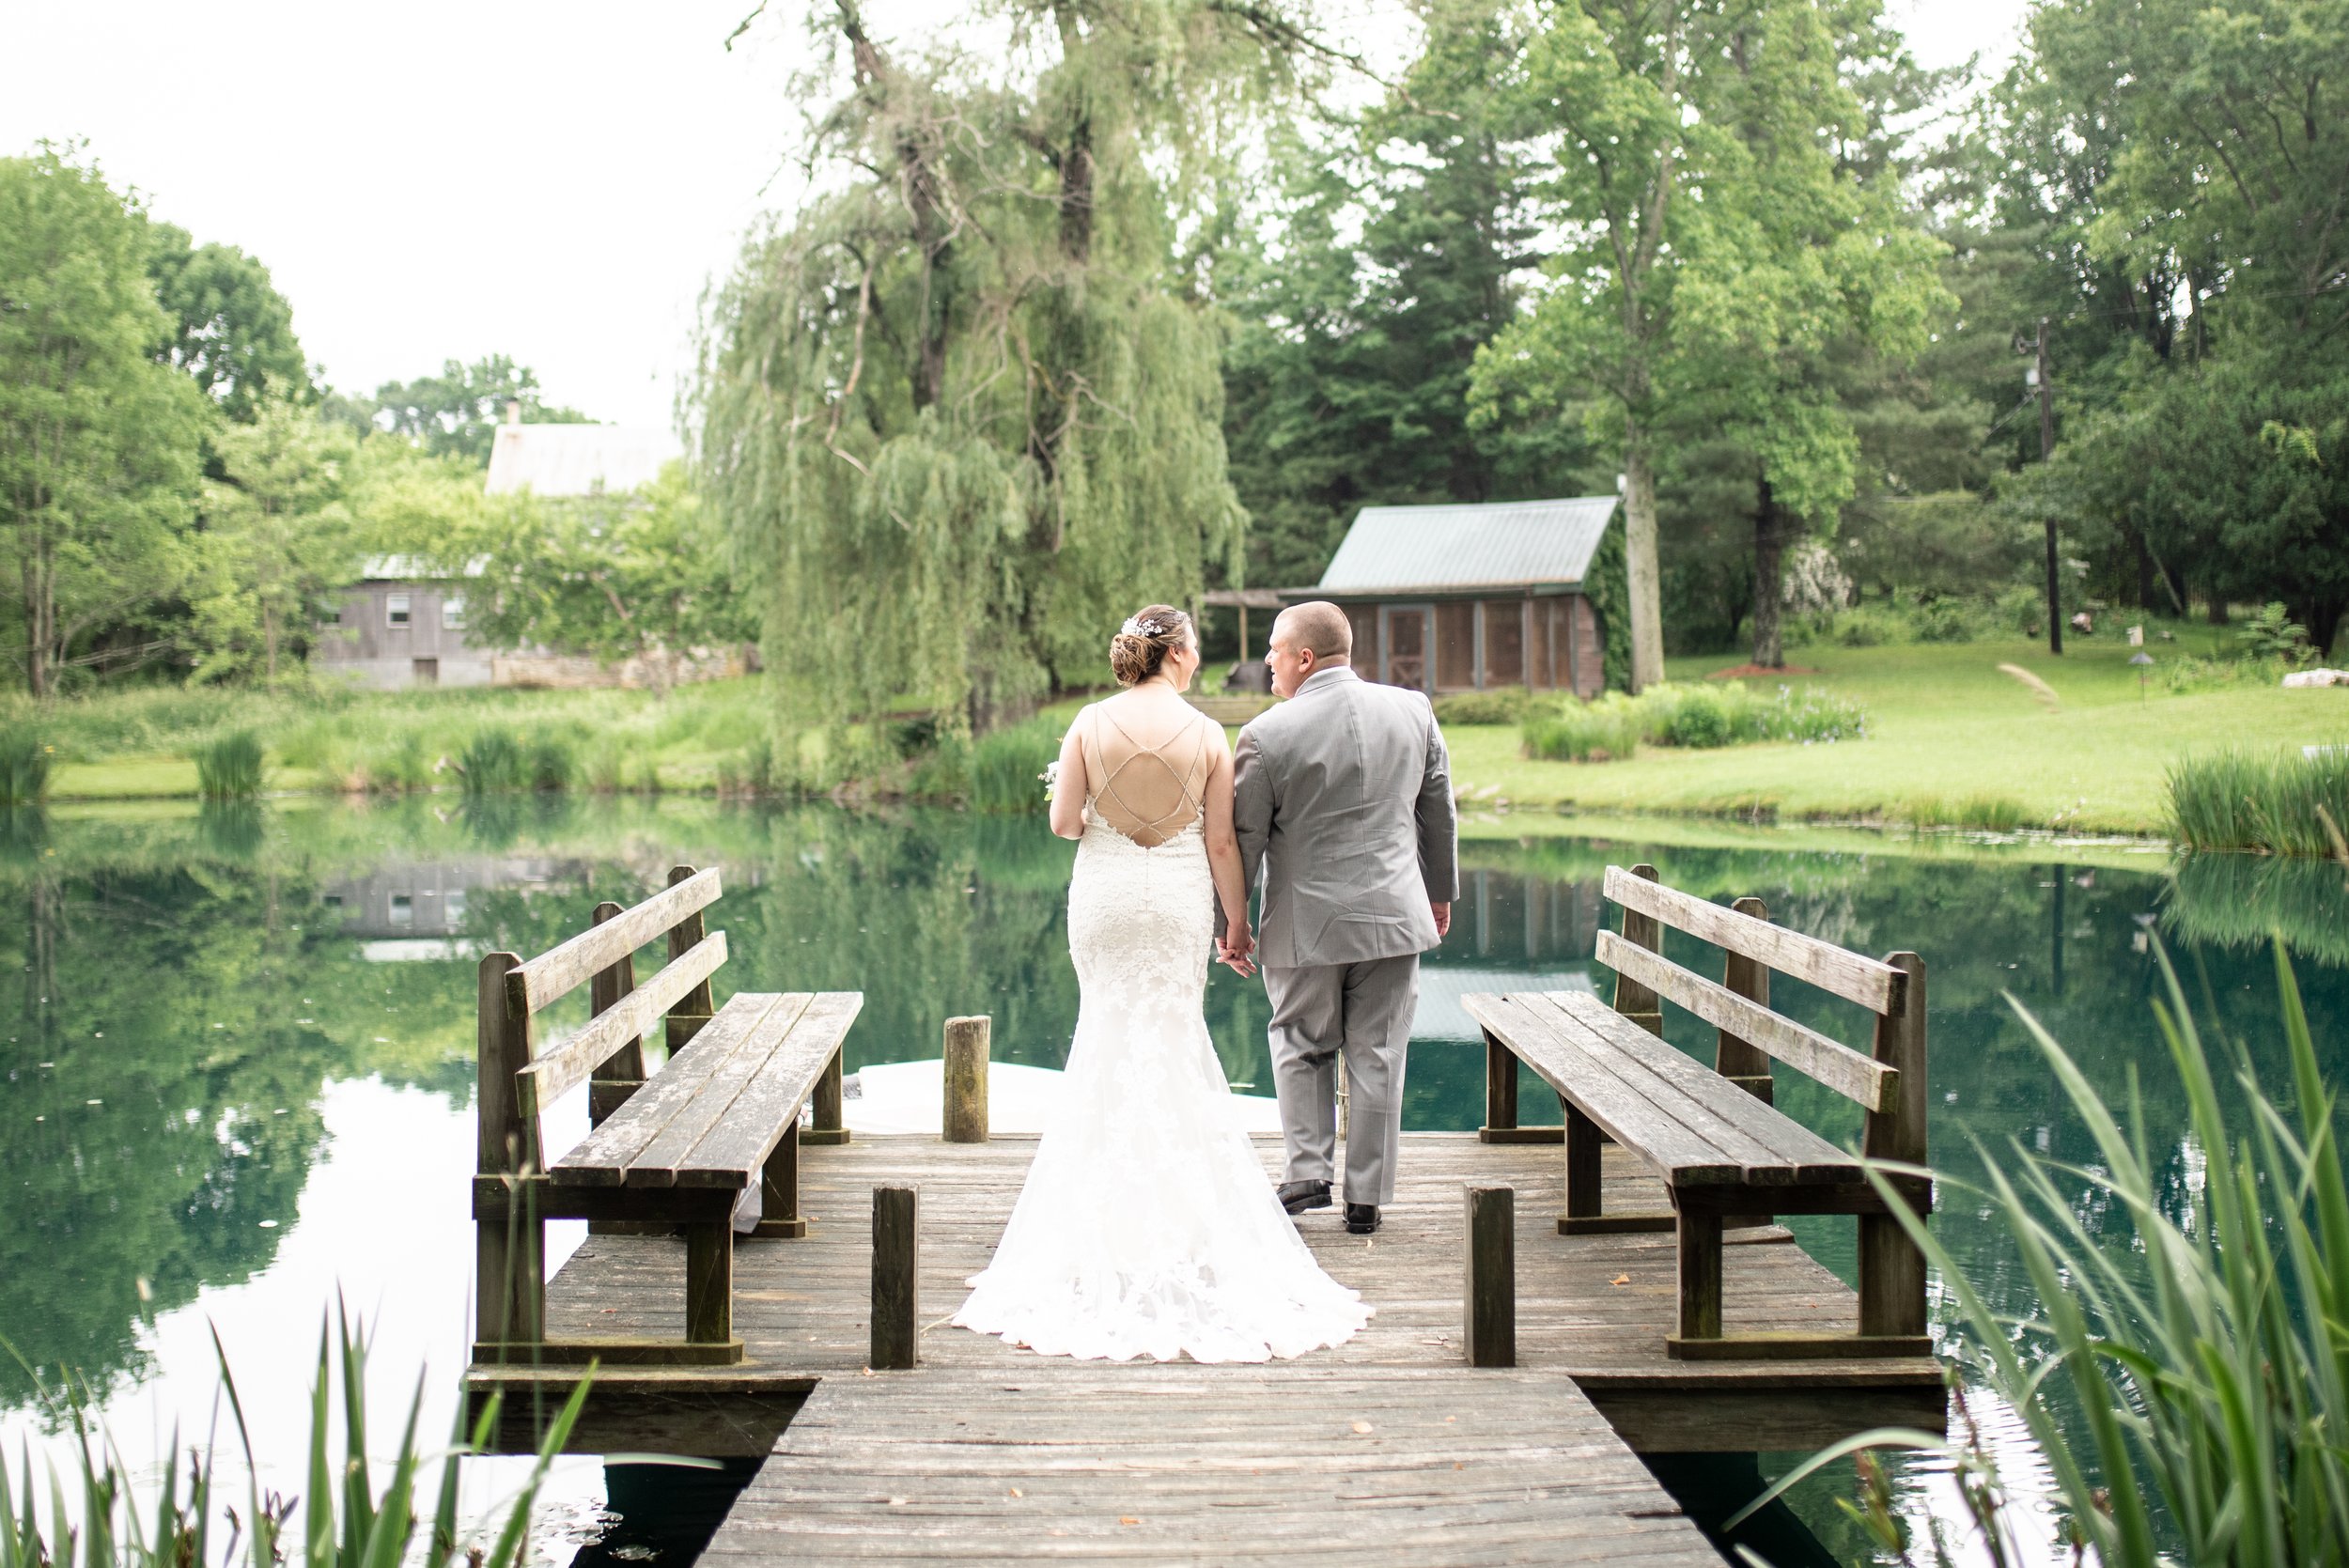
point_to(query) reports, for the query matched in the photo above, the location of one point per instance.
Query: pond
(239, 1051)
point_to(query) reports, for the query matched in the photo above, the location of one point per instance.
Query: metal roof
(578, 459)
(1496, 544)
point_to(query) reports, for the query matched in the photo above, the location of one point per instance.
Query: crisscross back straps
(1148, 791)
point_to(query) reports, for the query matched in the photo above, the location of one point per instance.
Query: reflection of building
(1465, 597)
(1510, 932)
(408, 911)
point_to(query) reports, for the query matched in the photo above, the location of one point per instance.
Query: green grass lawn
(1951, 741)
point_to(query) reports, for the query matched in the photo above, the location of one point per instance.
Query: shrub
(24, 766)
(1502, 704)
(2273, 802)
(1006, 763)
(229, 768)
(2272, 633)
(1606, 728)
(1698, 717)
(1811, 715)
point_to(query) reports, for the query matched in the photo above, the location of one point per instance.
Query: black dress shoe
(1361, 1219)
(1297, 1196)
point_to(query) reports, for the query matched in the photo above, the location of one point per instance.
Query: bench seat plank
(752, 1125)
(656, 1165)
(1540, 1037)
(1787, 1152)
(602, 1158)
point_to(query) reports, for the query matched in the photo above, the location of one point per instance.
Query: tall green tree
(457, 413)
(278, 534)
(965, 411)
(233, 330)
(99, 440)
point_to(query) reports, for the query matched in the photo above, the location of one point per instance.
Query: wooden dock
(1389, 1443)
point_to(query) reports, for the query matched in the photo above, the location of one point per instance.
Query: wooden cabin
(1464, 597)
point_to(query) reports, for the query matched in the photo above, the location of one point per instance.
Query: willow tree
(962, 411)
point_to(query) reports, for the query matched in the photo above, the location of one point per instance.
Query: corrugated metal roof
(576, 460)
(1495, 544)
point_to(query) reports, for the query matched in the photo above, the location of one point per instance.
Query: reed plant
(1005, 765)
(24, 760)
(346, 1521)
(2271, 802)
(2188, 1389)
(229, 768)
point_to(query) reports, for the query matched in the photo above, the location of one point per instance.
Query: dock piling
(965, 1115)
(1489, 1299)
(897, 1263)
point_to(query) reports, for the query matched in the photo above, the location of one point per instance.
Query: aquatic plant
(229, 768)
(345, 1523)
(2273, 802)
(2187, 1388)
(492, 762)
(24, 760)
(1005, 765)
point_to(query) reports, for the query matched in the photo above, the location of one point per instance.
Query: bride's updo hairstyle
(1140, 648)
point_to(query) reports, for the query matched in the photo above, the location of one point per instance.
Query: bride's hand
(1235, 948)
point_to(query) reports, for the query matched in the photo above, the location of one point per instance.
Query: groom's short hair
(1320, 627)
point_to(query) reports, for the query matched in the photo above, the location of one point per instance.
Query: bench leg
(1699, 1235)
(710, 1281)
(1583, 1148)
(831, 1124)
(779, 1188)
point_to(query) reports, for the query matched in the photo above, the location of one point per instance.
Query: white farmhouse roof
(1500, 544)
(578, 459)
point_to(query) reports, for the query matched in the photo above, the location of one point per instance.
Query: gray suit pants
(1364, 1011)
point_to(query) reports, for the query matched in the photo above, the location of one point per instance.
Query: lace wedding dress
(1147, 1226)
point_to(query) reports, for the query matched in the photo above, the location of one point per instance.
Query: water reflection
(215, 1013)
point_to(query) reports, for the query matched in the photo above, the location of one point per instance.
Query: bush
(1696, 716)
(2271, 633)
(2273, 802)
(1502, 704)
(24, 766)
(1605, 729)
(229, 768)
(1811, 715)
(1006, 764)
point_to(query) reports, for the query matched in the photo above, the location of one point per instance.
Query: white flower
(1051, 777)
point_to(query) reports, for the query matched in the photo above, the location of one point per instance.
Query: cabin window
(1363, 618)
(1505, 641)
(453, 613)
(1455, 646)
(396, 609)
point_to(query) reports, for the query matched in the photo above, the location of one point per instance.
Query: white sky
(553, 180)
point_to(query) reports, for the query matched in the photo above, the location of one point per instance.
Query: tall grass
(346, 1522)
(229, 768)
(1698, 717)
(2208, 1358)
(497, 761)
(24, 766)
(1004, 765)
(2272, 802)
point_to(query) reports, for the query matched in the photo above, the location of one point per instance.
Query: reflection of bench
(1725, 1153)
(675, 1151)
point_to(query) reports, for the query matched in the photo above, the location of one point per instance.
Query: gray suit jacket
(1343, 806)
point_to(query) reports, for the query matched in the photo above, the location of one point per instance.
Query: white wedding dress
(1147, 1226)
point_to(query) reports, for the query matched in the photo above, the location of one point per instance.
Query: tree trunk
(2144, 566)
(2214, 608)
(1640, 567)
(1769, 550)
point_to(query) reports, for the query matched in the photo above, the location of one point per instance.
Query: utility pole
(2046, 450)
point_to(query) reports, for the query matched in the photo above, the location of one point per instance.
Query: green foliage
(1606, 729)
(230, 767)
(2273, 802)
(499, 761)
(2243, 901)
(456, 413)
(98, 440)
(2271, 633)
(24, 760)
(278, 534)
(2181, 1382)
(1698, 717)
(1006, 766)
(233, 330)
(1505, 704)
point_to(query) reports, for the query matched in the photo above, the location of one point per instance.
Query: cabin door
(1406, 643)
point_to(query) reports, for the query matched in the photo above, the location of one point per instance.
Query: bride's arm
(1231, 891)
(1069, 787)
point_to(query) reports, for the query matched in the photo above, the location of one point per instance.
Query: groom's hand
(1444, 919)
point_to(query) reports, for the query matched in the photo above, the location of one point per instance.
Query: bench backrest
(516, 1083)
(1887, 1080)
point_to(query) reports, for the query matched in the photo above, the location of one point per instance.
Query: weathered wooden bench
(1725, 1153)
(674, 1152)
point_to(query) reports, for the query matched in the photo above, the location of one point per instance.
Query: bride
(1147, 1226)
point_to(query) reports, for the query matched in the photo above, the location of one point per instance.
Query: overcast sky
(554, 179)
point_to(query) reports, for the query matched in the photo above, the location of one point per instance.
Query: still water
(239, 1052)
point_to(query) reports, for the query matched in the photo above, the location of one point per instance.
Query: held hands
(1235, 948)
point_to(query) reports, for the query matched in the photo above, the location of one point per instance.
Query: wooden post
(779, 1188)
(964, 1109)
(831, 1107)
(1741, 1061)
(687, 1017)
(509, 1252)
(709, 1281)
(1891, 1267)
(1632, 1000)
(1501, 1090)
(1700, 1270)
(896, 1264)
(1488, 1327)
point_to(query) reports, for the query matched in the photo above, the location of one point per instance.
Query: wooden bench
(1727, 1156)
(677, 1152)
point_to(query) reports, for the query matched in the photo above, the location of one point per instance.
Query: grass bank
(1951, 742)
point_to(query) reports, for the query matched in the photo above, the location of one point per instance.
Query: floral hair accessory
(1136, 627)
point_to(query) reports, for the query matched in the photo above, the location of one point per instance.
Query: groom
(1343, 806)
